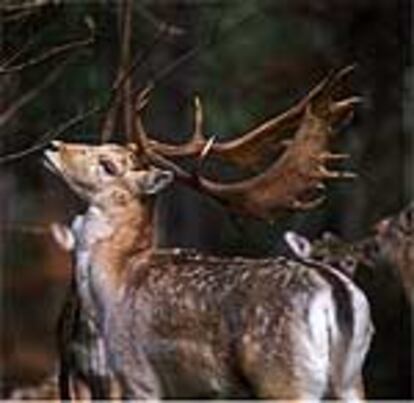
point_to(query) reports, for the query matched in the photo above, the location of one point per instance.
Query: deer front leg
(354, 394)
(134, 372)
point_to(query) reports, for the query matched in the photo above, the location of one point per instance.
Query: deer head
(92, 171)
(393, 242)
(329, 249)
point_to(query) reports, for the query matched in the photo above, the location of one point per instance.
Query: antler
(250, 148)
(292, 182)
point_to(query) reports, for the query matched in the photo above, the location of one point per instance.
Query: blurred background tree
(248, 61)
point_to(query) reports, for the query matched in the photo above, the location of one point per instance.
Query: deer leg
(136, 376)
(99, 374)
(100, 387)
(282, 385)
(355, 393)
(137, 379)
(278, 375)
(63, 382)
(290, 358)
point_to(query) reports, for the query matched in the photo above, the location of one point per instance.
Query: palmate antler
(292, 182)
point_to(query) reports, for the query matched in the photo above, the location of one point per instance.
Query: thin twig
(139, 60)
(108, 124)
(125, 21)
(23, 228)
(52, 134)
(26, 45)
(19, 15)
(58, 50)
(211, 41)
(160, 25)
(24, 6)
(22, 50)
(125, 62)
(109, 119)
(32, 93)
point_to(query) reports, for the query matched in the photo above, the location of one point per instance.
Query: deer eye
(108, 166)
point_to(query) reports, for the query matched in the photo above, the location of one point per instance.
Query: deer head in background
(329, 249)
(393, 243)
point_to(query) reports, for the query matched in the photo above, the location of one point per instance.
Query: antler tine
(321, 101)
(142, 97)
(140, 136)
(198, 121)
(192, 147)
(197, 145)
(341, 110)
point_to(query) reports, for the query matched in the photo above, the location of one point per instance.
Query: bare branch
(108, 121)
(52, 134)
(32, 93)
(51, 53)
(125, 62)
(25, 228)
(159, 24)
(24, 6)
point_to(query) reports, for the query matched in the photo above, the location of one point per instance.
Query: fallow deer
(329, 249)
(393, 242)
(178, 324)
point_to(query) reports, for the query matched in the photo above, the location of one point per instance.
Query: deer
(180, 324)
(329, 249)
(393, 242)
(390, 241)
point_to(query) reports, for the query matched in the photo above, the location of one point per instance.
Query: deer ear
(63, 236)
(150, 182)
(299, 244)
(156, 180)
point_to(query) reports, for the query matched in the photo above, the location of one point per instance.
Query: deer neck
(114, 236)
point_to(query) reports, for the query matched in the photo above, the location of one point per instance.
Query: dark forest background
(248, 60)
